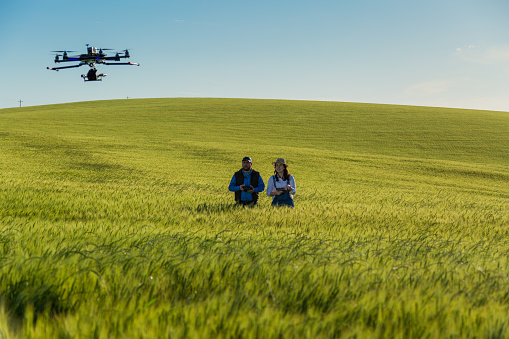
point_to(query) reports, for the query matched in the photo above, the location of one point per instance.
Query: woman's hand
(288, 188)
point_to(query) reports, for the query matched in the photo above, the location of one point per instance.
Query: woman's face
(280, 168)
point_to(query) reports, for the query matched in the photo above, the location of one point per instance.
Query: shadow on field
(39, 298)
(215, 208)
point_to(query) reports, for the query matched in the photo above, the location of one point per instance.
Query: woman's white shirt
(280, 184)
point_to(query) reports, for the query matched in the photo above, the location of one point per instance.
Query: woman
(281, 186)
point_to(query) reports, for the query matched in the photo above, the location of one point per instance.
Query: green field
(116, 221)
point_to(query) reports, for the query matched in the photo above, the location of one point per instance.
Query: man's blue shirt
(245, 196)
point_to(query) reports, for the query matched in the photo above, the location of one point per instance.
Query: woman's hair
(286, 173)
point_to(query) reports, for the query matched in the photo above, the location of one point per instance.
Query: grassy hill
(118, 212)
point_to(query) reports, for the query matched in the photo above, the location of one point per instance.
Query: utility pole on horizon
(20, 101)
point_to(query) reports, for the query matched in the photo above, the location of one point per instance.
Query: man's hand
(248, 191)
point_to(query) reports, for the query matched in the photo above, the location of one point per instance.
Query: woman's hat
(279, 161)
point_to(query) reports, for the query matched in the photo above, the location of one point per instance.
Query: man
(246, 183)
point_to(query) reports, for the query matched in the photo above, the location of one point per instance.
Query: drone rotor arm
(59, 68)
(114, 57)
(122, 63)
(73, 59)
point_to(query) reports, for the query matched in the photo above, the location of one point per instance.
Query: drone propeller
(63, 54)
(126, 55)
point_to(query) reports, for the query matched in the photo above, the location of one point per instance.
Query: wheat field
(116, 221)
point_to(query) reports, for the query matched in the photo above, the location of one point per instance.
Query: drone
(93, 56)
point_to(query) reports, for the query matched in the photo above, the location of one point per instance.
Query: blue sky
(446, 53)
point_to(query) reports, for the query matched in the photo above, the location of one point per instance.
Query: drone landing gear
(93, 76)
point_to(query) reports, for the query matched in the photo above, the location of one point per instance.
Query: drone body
(91, 58)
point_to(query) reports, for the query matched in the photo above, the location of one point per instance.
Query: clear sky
(447, 53)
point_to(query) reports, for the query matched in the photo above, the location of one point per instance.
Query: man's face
(246, 165)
